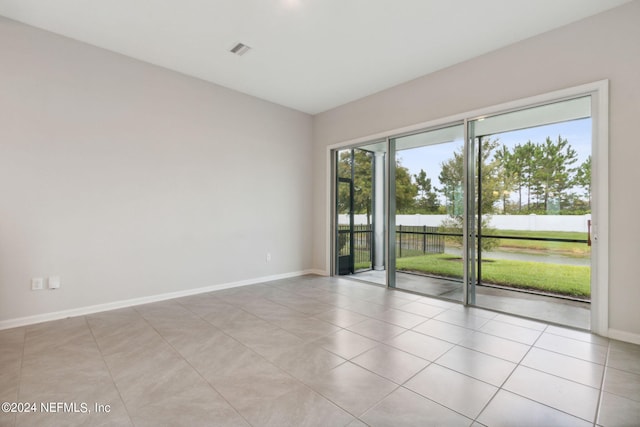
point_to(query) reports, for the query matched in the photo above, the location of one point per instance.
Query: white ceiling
(310, 55)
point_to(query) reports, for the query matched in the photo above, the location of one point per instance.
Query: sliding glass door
(529, 212)
(492, 211)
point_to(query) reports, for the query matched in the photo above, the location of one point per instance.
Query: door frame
(351, 256)
(599, 92)
(335, 243)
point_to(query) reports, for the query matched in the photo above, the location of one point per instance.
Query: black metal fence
(410, 241)
(362, 243)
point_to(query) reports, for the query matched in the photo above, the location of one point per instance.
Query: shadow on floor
(575, 314)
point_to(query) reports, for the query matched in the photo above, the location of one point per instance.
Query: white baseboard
(318, 272)
(81, 311)
(617, 334)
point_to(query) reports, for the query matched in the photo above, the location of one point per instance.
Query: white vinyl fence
(501, 222)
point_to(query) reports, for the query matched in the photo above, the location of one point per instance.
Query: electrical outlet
(54, 282)
(37, 284)
(268, 256)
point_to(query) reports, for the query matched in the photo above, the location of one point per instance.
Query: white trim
(318, 272)
(81, 311)
(585, 89)
(600, 210)
(599, 91)
(617, 334)
(328, 224)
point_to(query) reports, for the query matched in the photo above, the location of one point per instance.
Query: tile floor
(316, 351)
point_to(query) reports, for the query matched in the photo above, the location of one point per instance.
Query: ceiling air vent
(240, 49)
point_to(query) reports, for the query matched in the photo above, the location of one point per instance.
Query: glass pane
(363, 187)
(344, 208)
(429, 207)
(533, 197)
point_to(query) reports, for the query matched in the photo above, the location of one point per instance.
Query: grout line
(268, 361)
(601, 394)
(561, 354)
(357, 300)
(545, 405)
(527, 398)
(578, 340)
(438, 403)
(178, 353)
(345, 361)
(572, 357)
(377, 402)
(19, 385)
(113, 381)
(518, 364)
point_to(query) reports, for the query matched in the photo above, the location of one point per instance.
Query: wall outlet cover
(54, 282)
(37, 284)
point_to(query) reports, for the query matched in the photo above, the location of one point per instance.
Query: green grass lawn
(555, 278)
(548, 277)
(362, 266)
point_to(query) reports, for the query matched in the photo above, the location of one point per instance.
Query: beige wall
(605, 46)
(128, 180)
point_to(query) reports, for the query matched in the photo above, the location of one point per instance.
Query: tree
(507, 173)
(406, 190)
(554, 174)
(489, 170)
(362, 181)
(451, 178)
(583, 179)
(453, 224)
(516, 167)
(523, 164)
(427, 201)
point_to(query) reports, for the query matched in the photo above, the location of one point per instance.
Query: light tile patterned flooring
(317, 351)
